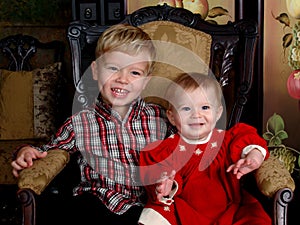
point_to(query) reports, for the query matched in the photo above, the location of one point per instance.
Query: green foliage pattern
(274, 135)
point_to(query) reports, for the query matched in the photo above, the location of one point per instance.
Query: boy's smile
(121, 77)
(119, 92)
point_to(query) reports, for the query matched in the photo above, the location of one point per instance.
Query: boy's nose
(122, 77)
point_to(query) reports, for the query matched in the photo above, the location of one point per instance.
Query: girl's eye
(205, 107)
(136, 73)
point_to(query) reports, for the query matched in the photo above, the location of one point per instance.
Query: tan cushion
(272, 176)
(179, 49)
(27, 102)
(16, 105)
(43, 171)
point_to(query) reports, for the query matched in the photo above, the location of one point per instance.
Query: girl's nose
(196, 113)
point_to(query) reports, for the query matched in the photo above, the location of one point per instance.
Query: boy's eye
(113, 68)
(205, 107)
(186, 108)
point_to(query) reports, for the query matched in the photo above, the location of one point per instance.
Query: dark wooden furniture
(21, 53)
(232, 61)
(232, 52)
(19, 49)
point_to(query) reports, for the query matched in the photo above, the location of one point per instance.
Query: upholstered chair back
(179, 49)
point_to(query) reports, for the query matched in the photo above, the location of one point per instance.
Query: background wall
(276, 72)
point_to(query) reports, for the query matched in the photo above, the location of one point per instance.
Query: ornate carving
(281, 200)
(20, 48)
(27, 199)
(164, 12)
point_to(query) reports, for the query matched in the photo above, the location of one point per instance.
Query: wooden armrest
(41, 173)
(272, 176)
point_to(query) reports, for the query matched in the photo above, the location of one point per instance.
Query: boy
(110, 134)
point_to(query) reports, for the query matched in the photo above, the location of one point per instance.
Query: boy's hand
(246, 165)
(25, 159)
(164, 185)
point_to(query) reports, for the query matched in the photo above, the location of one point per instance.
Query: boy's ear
(94, 70)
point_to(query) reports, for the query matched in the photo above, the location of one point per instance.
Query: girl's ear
(94, 70)
(170, 116)
(219, 112)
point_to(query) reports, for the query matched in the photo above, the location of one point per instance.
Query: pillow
(179, 49)
(28, 102)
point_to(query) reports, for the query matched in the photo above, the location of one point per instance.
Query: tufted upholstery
(189, 48)
(43, 171)
(272, 176)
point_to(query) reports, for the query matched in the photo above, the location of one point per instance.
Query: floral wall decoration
(217, 14)
(292, 40)
(275, 135)
(199, 6)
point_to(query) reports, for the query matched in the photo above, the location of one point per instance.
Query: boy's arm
(24, 159)
(25, 155)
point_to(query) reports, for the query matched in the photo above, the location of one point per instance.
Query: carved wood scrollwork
(76, 40)
(19, 49)
(164, 12)
(27, 199)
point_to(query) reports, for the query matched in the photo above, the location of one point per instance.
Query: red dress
(206, 194)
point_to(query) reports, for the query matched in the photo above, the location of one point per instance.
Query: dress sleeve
(155, 161)
(242, 135)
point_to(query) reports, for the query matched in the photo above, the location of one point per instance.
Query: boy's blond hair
(128, 39)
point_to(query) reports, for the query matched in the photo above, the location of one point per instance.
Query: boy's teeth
(121, 91)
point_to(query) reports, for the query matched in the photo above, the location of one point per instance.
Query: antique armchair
(227, 50)
(30, 81)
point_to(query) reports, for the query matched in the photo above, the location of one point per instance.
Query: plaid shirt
(110, 148)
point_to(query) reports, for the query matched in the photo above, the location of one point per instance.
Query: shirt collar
(134, 109)
(196, 142)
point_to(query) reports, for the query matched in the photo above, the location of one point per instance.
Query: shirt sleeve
(63, 139)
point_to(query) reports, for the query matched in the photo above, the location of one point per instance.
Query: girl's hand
(164, 185)
(246, 165)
